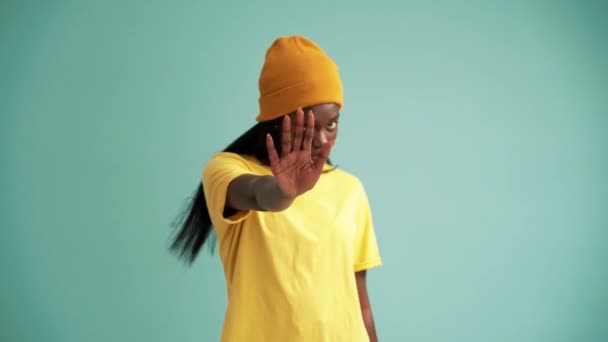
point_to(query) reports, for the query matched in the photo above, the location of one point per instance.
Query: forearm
(269, 196)
(369, 324)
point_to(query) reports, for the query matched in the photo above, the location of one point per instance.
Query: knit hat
(296, 73)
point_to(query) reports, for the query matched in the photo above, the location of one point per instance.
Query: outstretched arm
(366, 309)
(293, 171)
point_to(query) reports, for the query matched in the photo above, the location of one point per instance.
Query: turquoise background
(480, 130)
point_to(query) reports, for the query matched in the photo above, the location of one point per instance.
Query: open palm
(295, 171)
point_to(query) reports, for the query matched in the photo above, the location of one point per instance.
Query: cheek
(332, 136)
(324, 136)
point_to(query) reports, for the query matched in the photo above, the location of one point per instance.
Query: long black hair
(194, 227)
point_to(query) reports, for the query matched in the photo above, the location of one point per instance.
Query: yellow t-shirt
(290, 274)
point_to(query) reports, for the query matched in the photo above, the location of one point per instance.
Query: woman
(295, 234)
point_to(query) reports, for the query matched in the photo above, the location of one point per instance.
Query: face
(326, 124)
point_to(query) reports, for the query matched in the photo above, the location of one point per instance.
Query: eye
(332, 125)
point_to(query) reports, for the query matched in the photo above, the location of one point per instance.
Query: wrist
(281, 201)
(270, 196)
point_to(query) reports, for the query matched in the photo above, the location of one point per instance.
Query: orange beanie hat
(296, 73)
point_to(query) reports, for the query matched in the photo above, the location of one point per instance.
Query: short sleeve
(222, 169)
(367, 254)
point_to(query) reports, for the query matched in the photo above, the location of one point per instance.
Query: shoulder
(345, 179)
(220, 157)
(232, 164)
(229, 160)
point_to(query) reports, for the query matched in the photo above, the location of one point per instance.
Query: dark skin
(307, 138)
(366, 308)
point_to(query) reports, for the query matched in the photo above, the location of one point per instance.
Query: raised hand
(295, 171)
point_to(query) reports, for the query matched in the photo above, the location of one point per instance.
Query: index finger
(323, 156)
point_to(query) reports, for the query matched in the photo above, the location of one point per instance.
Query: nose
(319, 138)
